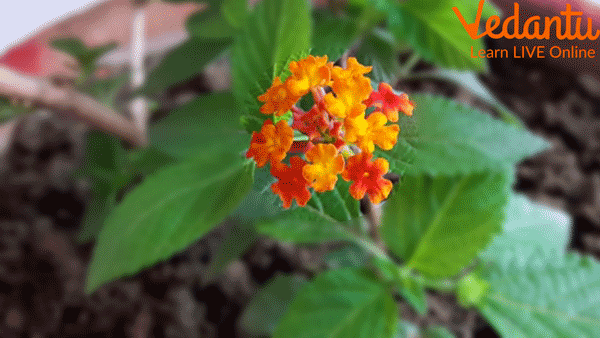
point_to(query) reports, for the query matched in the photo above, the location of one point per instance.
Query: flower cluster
(341, 135)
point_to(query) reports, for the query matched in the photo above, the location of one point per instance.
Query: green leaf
(106, 90)
(379, 50)
(207, 125)
(7, 110)
(435, 33)
(184, 62)
(167, 212)
(275, 31)
(543, 296)
(332, 35)
(349, 256)
(414, 293)
(71, 46)
(471, 82)
(236, 240)
(537, 288)
(104, 200)
(341, 303)
(530, 227)
(438, 332)
(303, 225)
(86, 56)
(438, 225)
(269, 304)
(209, 24)
(148, 160)
(235, 12)
(103, 164)
(411, 288)
(329, 216)
(446, 138)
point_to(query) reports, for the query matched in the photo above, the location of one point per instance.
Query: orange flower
(387, 102)
(326, 164)
(352, 80)
(309, 73)
(291, 184)
(378, 133)
(278, 99)
(271, 144)
(367, 177)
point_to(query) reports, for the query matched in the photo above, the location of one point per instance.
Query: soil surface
(42, 267)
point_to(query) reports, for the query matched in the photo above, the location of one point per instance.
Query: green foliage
(341, 303)
(185, 62)
(234, 243)
(106, 90)
(103, 163)
(441, 223)
(434, 31)
(350, 255)
(438, 225)
(266, 308)
(471, 82)
(537, 289)
(333, 35)
(85, 56)
(446, 138)
(543, 296)
(209, 24)
(530, 227)
(274, 31)
(329, 216)
(235, 12)
(166, 213)
(9, 110)
(303, 226)
(379, 50)
(193, 128)
(438, 332)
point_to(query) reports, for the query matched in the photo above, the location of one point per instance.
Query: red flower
(312, 123)
(291, 184)
(387, 102)
(367, 177)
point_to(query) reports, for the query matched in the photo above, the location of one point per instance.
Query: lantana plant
(314, 115)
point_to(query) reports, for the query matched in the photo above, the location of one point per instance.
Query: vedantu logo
(531, 30)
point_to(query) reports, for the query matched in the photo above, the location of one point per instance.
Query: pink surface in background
(111, 21)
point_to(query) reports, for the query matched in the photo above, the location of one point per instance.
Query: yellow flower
(378, 133)
(326, 165)
(355, 127)
(344, 104)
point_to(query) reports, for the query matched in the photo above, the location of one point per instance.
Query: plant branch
(139, 105)
(41, 91)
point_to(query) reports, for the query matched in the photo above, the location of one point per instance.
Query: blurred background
(42, 202)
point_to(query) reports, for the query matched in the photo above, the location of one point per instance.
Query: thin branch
(139, 105)
(40, 90)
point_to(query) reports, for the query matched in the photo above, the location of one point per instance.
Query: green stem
(444, 285)
(408, 66)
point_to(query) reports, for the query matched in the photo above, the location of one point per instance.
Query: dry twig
(42, 91)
